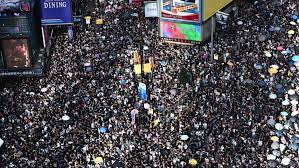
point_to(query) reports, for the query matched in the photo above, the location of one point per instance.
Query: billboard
(210, 7)
(14, 6)
(58, 12)
(16, 53)
(180, 10)
(150, 9)
(180, 31)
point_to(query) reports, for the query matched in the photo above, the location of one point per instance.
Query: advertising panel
(180, 10)
(58, 12)
(180, 32)
(14, 6)
(16, 53)
(150, 9)
(210, 7)
(142, 91)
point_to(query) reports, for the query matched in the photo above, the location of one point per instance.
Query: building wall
(210, 7)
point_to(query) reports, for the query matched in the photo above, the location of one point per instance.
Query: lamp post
(212, 39)
(141, 39)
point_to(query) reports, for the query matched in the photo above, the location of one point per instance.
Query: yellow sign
(146, 68)
(137, 69)
(99, 21)
(212, 6)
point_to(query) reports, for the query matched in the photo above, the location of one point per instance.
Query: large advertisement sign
(14, 6)
(180, 32)
(150, 9)
(180, 10)
(56, 12)
(16, 53)
(210, 7)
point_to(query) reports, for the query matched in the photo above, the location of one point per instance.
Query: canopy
(103, 130)
(193, 162)
(295, 58)
(291, 32)
(272, 71)
(98, 160)
(284, 113)
(285, 102)
(293, 23)
(65, 118)
(184, 137)
(278, 126)
(43, 90)
(271, 157)
(272, 96)
(285, 161)
(291, 92)
(1, 142)
(274, 138)
(279, 48)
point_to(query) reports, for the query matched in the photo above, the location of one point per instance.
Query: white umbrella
(240, 22)
(43, 90)
(272, 96)
(293, 23)
(294, 102)
(294, 113)
(184, 137)
(271, 157)
(285, 161)
(65, 118)
(146, 106)
(1, 142)
(286, 102)
(276, 153)
(275, 145)
(282, 147)
(267, 54)
(145, 48)
(258, 66)
(274, 66)
(278, 126)
(291, 92)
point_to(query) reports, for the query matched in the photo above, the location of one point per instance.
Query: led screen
(184, 31)
(16, 53)
(180, 9)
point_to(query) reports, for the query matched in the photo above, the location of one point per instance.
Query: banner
(150, 9)
(180, 10)
(142, 91)
(210, 7)
(58, 12)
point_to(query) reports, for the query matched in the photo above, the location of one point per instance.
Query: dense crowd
(223, 109)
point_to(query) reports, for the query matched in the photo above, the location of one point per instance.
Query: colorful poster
(142, 91)
(58, 12)
(179, 30)
(180, 9)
